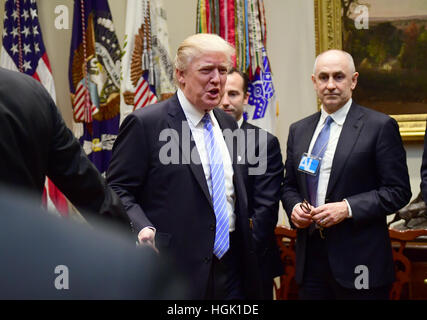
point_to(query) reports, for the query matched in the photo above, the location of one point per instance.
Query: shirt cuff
(350, 213)
(296, 206)
(152, 228)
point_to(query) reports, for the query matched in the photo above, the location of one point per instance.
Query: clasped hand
(325, 215)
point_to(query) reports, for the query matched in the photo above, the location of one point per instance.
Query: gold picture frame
(328, 33)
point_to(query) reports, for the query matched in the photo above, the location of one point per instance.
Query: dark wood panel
(409, 253)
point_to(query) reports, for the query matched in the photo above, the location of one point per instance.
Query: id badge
(309, 164)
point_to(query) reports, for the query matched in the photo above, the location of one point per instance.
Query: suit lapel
(350, 133)
(221, 122)
(301, 146)
(178, 122)
(242, 147)
(238, 179)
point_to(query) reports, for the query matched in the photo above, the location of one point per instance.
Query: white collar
(240, 122)
(191, 112)
(339, 115)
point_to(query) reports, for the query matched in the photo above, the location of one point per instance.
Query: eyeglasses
(305, 206)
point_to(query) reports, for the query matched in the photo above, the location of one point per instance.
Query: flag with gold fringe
(147, 71)
(242, 23)
(94, 76)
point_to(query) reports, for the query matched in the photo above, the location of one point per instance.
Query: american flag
(81, 100)
(23, 50)
(143, 94)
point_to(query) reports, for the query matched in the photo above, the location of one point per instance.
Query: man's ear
(313, 79)
(180, 76)
(354, 80)
(246, 100)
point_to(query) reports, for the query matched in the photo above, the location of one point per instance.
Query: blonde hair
(201, 43)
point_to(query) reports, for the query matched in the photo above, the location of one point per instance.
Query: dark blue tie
(219, 199)
(318, 150)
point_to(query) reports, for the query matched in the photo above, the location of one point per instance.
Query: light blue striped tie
(318, 150)
(219, 200)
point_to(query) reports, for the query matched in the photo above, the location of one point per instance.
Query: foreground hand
(330, 214)
(301, 216)
(146, 238)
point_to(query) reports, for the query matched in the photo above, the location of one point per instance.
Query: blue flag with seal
(262, 97)
(94, 76)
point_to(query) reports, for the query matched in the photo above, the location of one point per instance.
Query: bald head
(336, 52)
(334, 79)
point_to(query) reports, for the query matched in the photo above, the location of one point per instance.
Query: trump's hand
(330, 214)
(146, 238)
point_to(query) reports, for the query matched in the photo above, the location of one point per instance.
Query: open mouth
(214, 92)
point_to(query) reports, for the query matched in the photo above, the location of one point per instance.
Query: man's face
(234, 99)
(333, 80)
(203, 81)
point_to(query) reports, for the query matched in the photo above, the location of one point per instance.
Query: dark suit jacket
(263, 192)
(36, 143)
(424, 170)
(369, 170)
(174, 197)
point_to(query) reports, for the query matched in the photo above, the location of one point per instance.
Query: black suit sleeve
(394, 190)
(290, 191)
(77, 177)
(128, 169)
(266, 191)
(424, 170)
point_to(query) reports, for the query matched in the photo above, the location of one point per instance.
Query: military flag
(242, 23)
(147, 71)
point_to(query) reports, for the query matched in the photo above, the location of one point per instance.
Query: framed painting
(388, 42)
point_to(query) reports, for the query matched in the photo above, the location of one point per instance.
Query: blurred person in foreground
(46, 257)
(36, 143)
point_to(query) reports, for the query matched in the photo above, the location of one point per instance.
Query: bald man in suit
(345, 172)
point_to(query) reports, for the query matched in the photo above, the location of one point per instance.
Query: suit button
(327, 200)
(212, 227)
(207, 260)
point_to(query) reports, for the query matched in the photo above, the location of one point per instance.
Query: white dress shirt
(339, 117)
(240, 122)
(194, 119)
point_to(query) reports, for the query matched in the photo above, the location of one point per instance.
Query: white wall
(290, 47)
